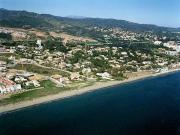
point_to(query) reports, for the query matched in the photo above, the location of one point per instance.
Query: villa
(7, 86)
(104, 75)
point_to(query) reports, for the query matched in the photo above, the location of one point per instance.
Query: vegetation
(77, 57)
(49, 88)
(5, 36)
(39, 70)
(116, 52)
(53, 44)
(73, 26)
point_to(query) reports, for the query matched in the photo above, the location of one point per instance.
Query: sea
(145, 107)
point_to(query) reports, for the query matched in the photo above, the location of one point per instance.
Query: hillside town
(24, 64)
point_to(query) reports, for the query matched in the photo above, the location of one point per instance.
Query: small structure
(164, 70)
(86, 70)
(75, 76)
(59, 80)
(172, 53)
(104, 75)
(39, 44)
(3, 66)
(20, 79)
(35, 83)
(158, 42)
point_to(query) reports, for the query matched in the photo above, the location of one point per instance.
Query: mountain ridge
(75, 26)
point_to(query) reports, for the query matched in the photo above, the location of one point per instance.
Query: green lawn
(49, 89)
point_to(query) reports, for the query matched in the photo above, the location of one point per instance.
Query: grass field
(49, 88)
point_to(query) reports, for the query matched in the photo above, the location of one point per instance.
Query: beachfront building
(75, 76)
(34, 83)
(104, 75)
(7, 86)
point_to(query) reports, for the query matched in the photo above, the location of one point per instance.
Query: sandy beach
(67, 94)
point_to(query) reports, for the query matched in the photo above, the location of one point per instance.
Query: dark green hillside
(80, 26)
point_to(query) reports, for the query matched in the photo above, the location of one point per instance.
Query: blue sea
(145, 107)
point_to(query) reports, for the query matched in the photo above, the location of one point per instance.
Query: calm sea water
(146, 107)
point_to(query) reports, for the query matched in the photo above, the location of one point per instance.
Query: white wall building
(158, 42)
(104, 75)
(7, 86)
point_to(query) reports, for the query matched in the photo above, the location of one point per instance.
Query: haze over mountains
(72, 24)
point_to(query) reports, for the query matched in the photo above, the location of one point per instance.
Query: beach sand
(66, 94)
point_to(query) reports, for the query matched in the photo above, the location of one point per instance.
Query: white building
(171, 44)
(178, 48)
(86, 70)
(7, 86)
(172, 53)
(158, 42)
(104, 75)
(35, 83)
(38, 42)
(3, 66)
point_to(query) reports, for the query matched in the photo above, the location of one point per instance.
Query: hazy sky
(160, 12)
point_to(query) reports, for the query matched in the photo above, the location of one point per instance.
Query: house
(158, 42)
(7, 86)
(171, 44)
(59, 80)
(178, 49)
(163, 70)
(55, 79)
(40, 47)
(172, 53)
(25, 74)
(36, 77)
(74, 76)
(104, 75)
(20, 79)
(124, 53)
(3, 66)
(86, 70)
(35, 83)
(162, 63)
(38, 42)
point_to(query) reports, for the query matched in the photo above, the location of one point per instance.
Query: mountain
(76, 17)
(72, 25)
(23, 18)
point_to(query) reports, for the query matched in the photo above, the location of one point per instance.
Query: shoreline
(76, 92)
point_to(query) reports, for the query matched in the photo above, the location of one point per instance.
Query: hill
(70, 25)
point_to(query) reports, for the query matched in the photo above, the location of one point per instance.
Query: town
(30, 60)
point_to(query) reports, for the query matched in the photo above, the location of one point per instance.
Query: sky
(159, 12)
